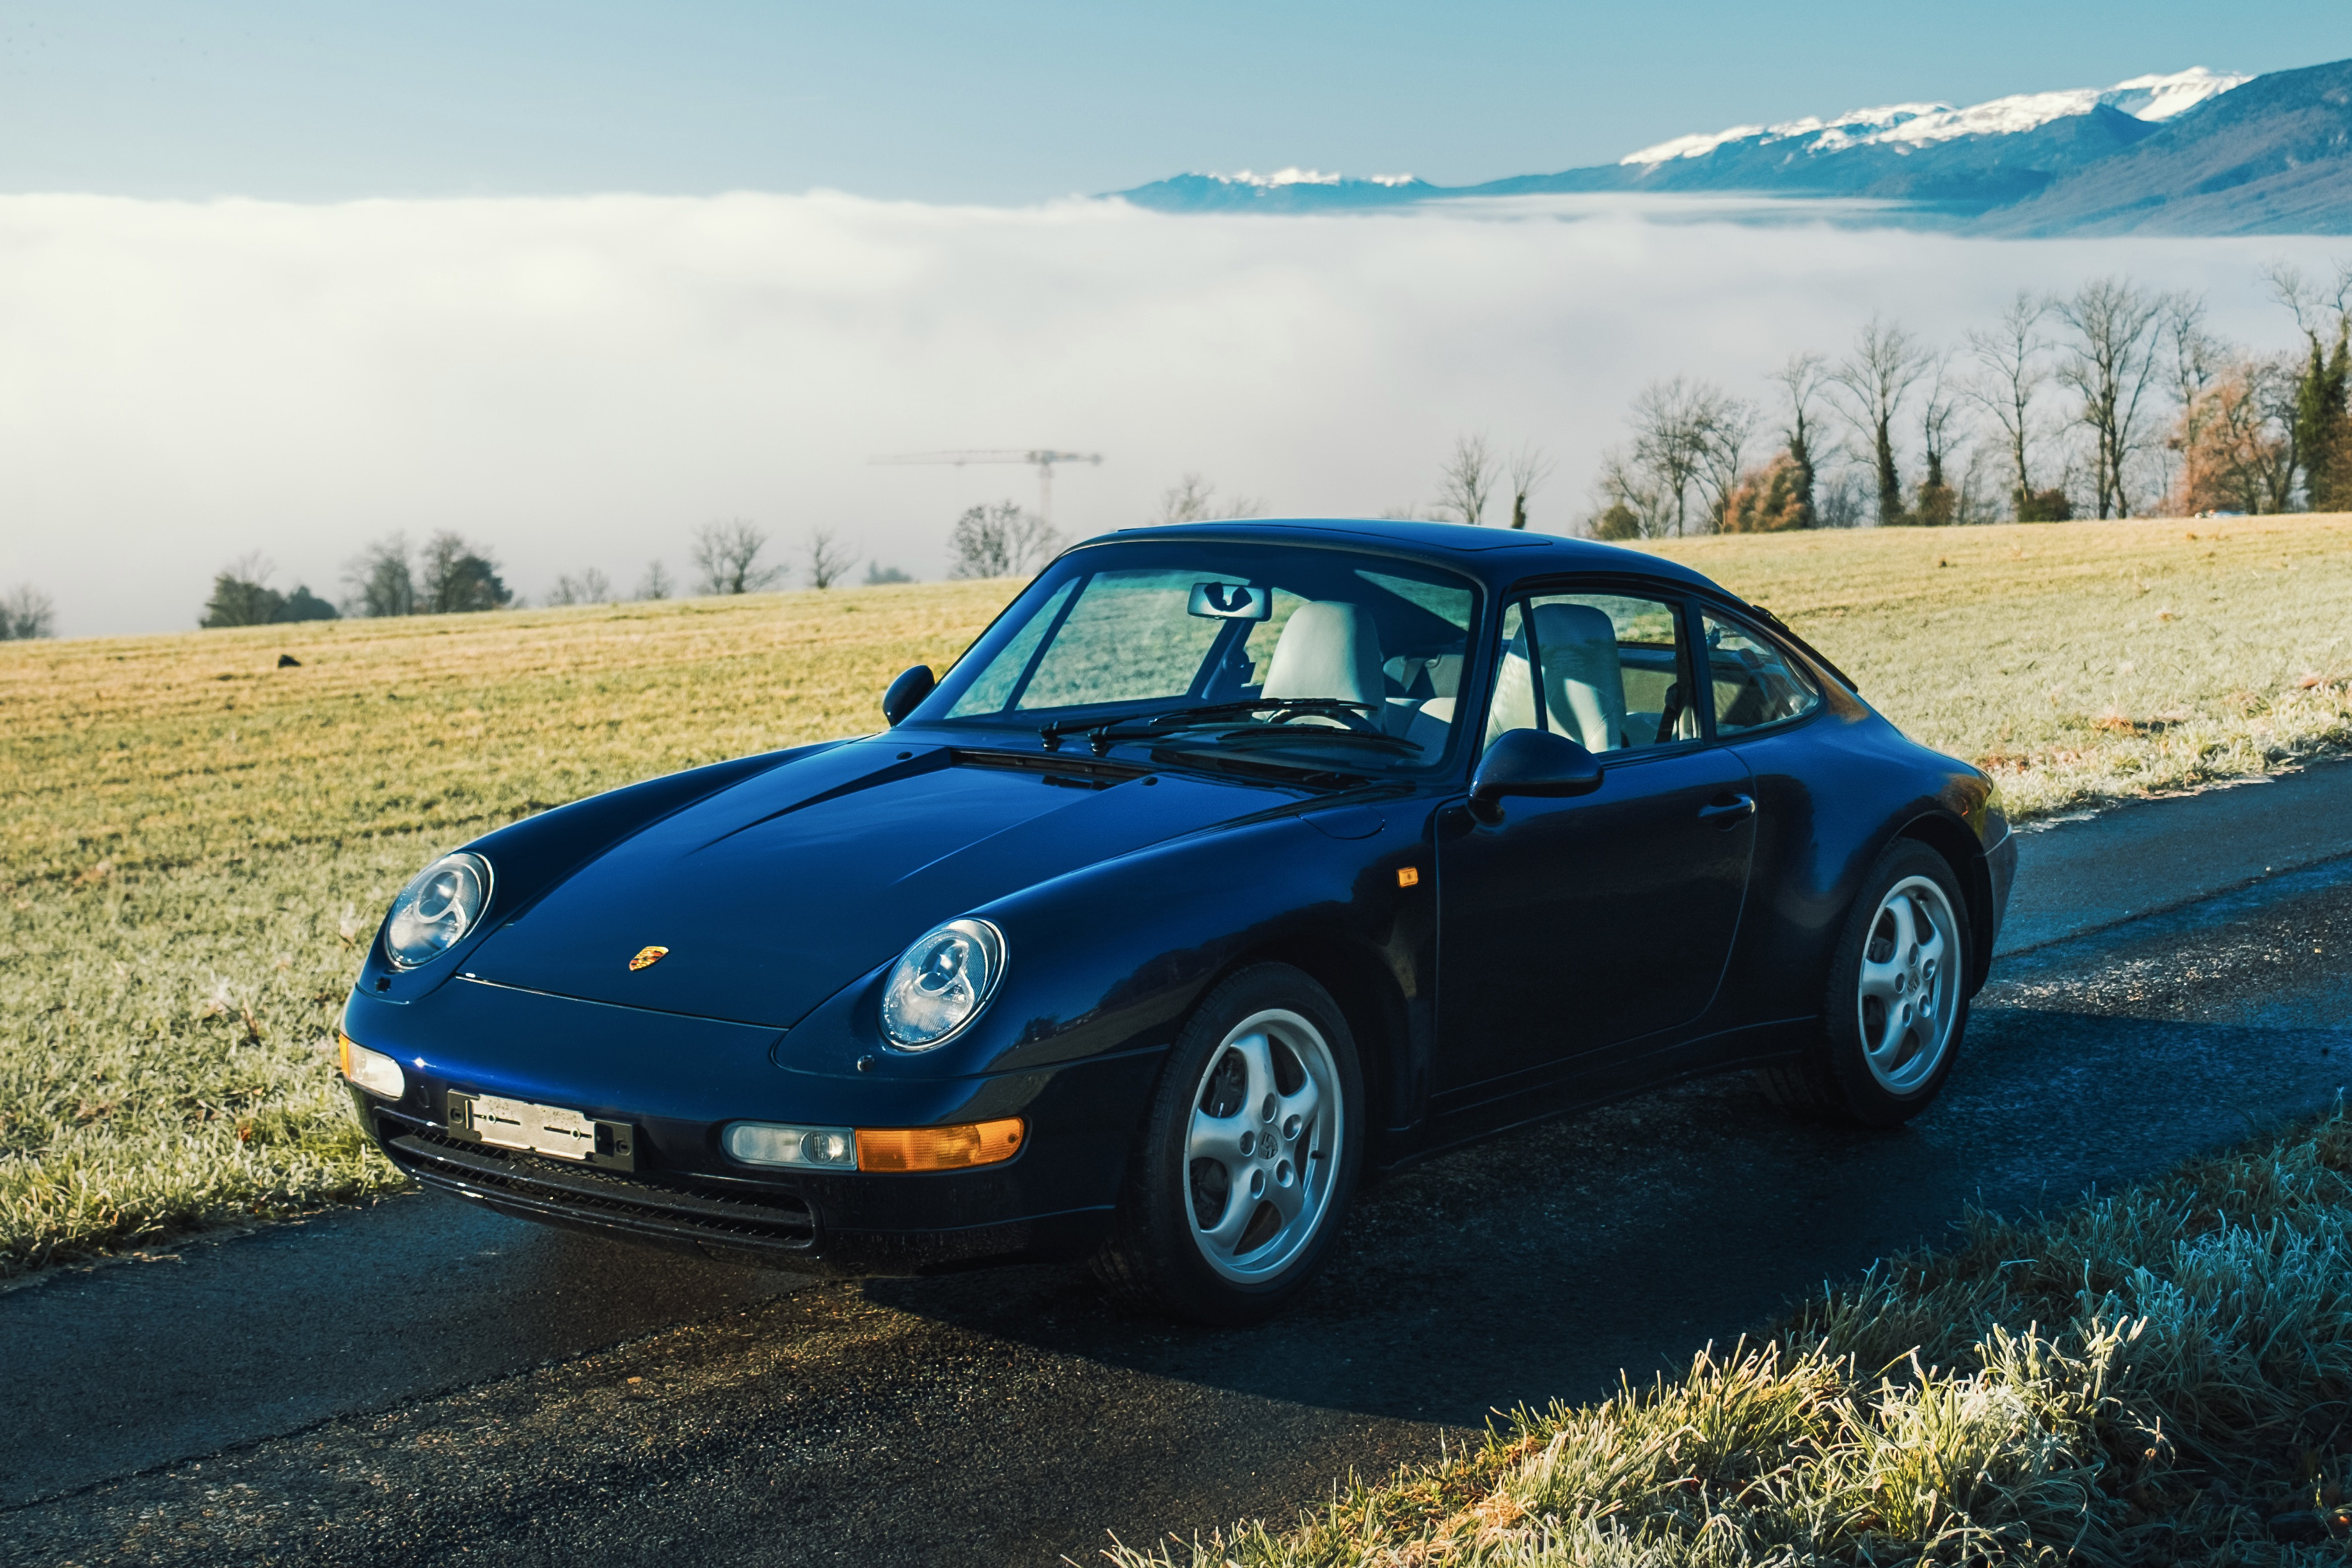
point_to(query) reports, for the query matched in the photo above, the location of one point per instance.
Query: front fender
(1110, 958)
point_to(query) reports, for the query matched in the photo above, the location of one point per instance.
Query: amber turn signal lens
(939, 1148)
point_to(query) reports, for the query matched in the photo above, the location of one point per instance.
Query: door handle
(1726, 812)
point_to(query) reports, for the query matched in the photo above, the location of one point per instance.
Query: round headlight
(941, 983)
(436, 911)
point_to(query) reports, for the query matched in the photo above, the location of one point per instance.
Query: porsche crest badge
(648, 957)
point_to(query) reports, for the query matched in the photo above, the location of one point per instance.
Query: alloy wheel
(1908, 993)
(1262, 1145)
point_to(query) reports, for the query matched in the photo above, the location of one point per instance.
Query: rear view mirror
(907, 692)
(1530, 762)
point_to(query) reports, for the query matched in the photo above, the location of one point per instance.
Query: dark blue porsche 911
(1230, 857)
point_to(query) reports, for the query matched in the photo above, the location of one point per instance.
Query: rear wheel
(1897, 1004)
(1248, 1156)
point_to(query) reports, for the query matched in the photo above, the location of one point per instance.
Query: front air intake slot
(772, 1219)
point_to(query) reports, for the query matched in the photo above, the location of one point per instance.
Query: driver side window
(1609, 671)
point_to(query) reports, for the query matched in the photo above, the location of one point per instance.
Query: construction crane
(1042, 458)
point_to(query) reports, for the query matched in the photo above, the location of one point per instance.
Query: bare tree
(827, 561)
(1938, 502)
(1871, 385)
(2320, 309)
(1670, 445)
(591, 586)
(1689, 436)
(1838, 502)
(2011, 358)
(1529, 467)
(1193, 499)
(728, 556)
(656, 583)
(1002, 540)
(25, 613)
(1800, 381)
(1466, 479)
(2194, 356)
(380, 579)
(1627, 502)
(1727, 423)
(2193, 359)
(2114, 358)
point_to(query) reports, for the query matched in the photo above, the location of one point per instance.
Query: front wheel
(1897, 1003)
(1248, 1156)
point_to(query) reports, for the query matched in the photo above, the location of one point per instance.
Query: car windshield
(1330, 658)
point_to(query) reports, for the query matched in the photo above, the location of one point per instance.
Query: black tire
(1834, 1079)
(1157, 1259)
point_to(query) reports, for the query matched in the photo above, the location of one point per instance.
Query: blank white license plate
(542, 1129)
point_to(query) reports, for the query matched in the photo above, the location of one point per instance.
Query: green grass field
(197, 842)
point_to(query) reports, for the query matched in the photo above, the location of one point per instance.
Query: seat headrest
(1582, 626)
(1328, 648)
(1584, 685)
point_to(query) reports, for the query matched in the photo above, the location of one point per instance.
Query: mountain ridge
(2195, 151)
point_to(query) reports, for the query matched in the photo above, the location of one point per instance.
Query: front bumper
(775, 1223)
(2000, 868)
(678, 1082)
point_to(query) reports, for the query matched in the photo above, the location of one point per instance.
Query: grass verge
(2160, 1376)
(197, 842)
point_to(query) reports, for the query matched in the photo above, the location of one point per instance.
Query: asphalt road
(423, 1383)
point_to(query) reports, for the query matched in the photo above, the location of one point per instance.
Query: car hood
(773, 894)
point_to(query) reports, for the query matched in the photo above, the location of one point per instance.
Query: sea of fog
(582, 382)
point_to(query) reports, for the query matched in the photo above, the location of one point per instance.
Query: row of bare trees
(449, 575)
(2112, 400)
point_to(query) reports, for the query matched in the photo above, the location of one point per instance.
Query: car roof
(1497, 557)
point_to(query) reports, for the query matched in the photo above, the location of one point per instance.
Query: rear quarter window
(1753, 682)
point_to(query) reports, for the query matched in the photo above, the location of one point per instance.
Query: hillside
(2273, 157)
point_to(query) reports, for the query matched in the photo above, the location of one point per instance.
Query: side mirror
(1530, 762)
(907, 693)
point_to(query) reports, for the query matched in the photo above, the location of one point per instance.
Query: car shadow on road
(1546, 1262)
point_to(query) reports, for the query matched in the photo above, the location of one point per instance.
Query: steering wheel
(1344, 718)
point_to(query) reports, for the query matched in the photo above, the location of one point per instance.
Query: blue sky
(1005, 103)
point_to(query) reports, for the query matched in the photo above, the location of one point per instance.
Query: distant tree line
(2110, 401)
(452, 575)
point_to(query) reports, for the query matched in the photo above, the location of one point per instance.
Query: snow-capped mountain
(2149, 98)
(1946, 165)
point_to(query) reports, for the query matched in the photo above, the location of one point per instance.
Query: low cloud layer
(582, 382)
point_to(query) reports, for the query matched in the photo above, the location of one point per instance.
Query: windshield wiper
(1260, 737)
(1101, 732)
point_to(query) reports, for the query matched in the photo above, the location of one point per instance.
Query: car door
(1580, 924)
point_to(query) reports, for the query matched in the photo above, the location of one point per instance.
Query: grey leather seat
(1331, 648)
(1583, 681)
